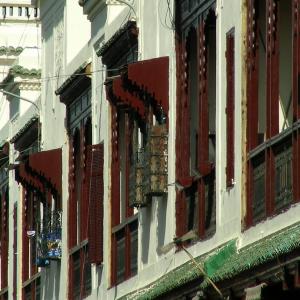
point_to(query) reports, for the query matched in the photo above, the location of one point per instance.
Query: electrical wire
(129, 5)
(168, 15)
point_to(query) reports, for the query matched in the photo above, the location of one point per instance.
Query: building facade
(160, 159)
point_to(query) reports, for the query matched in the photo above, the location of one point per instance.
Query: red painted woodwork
(84, 187)
(72, 197)
(152, 76)
(252, 75)
(230, 65)
(272, 69)
(25, 178)
(115, 168)
(4, 239)
(15, 243)
(95, 161)
(296, 97)
(48, 164)
(182, 139)
(25, 241)
(129, 123)
(128, 98)
(203, 102)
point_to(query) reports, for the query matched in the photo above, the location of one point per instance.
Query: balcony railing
(270, 180)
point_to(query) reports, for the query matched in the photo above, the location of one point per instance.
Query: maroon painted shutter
(252, 97)
(272, 68)
(115, 168)
(272, 98)
(128, 135)
(296, 95)
(95, 179)
(230, 107)
(181, 162)
(203, 157)
(84, 189)
(25, 246)
(4, 239)
(72, 208)
(15, 253)
(252, 75)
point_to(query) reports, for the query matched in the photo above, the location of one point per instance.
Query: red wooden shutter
(296, 96)
(203, 157)
(4, 239)
(84, 189)
(128, 135)
(272, 68)
(181, 122)
(252, 75)
(230, 107)
(95, 191)
(25, 244)
(72, 211)
(115, 167)
(15, 253)
(252, 96)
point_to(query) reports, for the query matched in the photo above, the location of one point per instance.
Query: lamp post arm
(21, 98)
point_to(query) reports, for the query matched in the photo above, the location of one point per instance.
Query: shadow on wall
(146, 227)
(161, 221)
(52, 281)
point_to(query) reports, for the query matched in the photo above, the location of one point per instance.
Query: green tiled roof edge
(266, 249)
(222, 265)
(10, 50)
(177, 277)
(17, 70)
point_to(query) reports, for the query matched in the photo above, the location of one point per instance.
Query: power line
(66, 75)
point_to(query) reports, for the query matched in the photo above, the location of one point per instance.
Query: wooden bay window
(272, 107)
(196, 119)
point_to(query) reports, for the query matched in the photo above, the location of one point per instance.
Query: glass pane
(210, 204)
(134, 247)
(259, 171)
(121, 256)
(87, 274)
(76, 275)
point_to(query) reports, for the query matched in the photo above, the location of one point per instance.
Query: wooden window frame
(119, 224)
(85, 203)
(82, 252)
(4, 235)
(186, 176)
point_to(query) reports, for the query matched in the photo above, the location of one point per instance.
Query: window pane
(134, 247)
(87, 273)
(120, 256)
(76, 275)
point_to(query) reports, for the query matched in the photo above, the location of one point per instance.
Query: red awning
(48, 165)
(152, 76)
(41, 170)
(140, 79)
(129, 99)
(25, 178)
